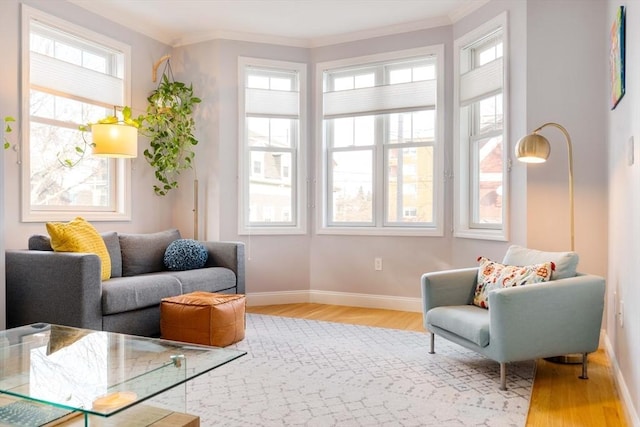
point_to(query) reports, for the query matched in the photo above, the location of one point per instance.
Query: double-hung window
(381, 158)
(481, 143)
(72, 76)
(272, 106)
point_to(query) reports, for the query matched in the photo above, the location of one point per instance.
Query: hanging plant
(170, 126)
(8, 120)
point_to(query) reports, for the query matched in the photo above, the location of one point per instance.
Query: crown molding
(174, 39)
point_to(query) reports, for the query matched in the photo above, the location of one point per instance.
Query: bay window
(272, 122)
(480, 127)
(381, 158)
(72, 76)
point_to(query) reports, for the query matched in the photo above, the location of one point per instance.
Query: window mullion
(379, 175)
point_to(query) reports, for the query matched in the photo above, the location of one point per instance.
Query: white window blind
(481, 82)
(374, 100)
(272, 103)
(75, 81)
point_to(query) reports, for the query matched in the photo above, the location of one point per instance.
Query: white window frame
(463, 189)
(323, 226)
(120, 168)
(298, 169)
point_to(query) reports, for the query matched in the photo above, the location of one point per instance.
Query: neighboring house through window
(71, 76)
(381, 152)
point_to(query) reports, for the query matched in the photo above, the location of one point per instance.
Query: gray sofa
(65, 288)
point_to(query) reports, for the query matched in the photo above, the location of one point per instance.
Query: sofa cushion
(466, 321)
(131, 293)
(211, 279)
(493, 275)
(144, 253)
(79, 235)
(40, 242)
(185, 254)
(566, 262)
(112, 242)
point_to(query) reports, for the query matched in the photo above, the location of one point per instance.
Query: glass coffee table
(53, 374)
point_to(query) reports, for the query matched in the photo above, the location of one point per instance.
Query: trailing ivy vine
(8, 120)
(170, 126)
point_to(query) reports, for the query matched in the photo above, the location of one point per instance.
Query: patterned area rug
(312, 373)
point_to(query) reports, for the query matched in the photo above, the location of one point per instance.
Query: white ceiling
(305, 23)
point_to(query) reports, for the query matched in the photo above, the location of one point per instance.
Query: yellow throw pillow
(80, 236)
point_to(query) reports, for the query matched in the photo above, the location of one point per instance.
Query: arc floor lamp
(535, 148)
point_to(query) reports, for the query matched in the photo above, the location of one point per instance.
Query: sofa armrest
(549, 319)
(229, 255)
(449, 287)
(53, 287)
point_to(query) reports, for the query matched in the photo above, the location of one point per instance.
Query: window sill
(388, 231)
(498, 235)
(47, 216)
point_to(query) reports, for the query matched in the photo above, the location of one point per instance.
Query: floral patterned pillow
(493, 275)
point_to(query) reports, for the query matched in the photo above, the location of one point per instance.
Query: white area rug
(311, 373)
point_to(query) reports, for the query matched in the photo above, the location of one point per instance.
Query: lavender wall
(623, 329)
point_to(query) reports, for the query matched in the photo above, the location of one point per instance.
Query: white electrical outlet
(377, 264)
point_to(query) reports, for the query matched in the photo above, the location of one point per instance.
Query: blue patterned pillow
(185, 254)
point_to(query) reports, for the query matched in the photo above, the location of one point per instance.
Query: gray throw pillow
(39, 242)
(113, 247)
(144, 253)
(566, 262)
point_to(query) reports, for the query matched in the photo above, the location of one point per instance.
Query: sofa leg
(432, 343)
(584, 375)
(503, 376)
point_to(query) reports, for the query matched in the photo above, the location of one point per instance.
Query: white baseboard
(274, 298)
(633, 417)
(336, 298)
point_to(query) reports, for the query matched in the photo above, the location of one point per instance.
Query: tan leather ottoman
(203, 318)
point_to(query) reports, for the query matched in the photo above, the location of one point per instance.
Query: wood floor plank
(559, 398)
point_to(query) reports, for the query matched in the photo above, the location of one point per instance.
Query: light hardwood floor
(559, 397)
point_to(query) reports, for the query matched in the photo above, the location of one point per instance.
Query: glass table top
(97, 372)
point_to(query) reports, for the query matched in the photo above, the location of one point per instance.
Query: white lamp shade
(114, 140)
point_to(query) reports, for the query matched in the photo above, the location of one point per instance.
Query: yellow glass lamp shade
(114, 140)
(533, 148)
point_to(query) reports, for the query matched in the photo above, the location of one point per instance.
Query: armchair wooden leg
(431, 349)
(503, 376)
(584, 375)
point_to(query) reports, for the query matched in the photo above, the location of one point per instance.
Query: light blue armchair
(559, 317)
